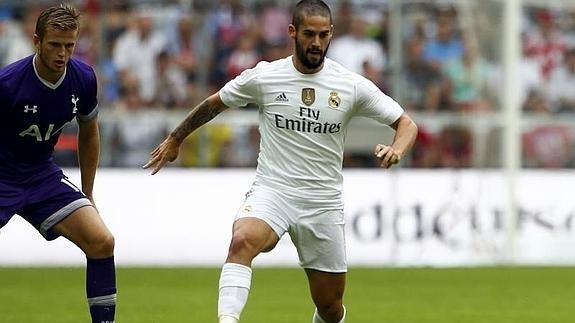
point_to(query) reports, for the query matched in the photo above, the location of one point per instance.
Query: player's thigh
(320, 240)
(49, 200)
(262, 219)
(85, 228)
(326, 288)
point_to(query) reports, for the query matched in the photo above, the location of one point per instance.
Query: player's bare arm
(405, 134)
(168, 150)
(88, 154)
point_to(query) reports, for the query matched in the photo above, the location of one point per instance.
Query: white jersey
(303, 121)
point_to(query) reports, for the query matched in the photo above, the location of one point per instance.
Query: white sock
(318, 319)
(235, 281)
(228, 319)
(343, 317)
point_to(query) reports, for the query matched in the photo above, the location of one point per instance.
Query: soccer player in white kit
(305, 104)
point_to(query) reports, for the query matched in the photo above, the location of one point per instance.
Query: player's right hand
(166, 152)
(386, 155)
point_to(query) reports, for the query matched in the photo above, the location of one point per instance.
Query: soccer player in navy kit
(39, 95)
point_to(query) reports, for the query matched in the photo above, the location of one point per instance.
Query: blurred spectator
(21, 44)
(466, 80)
(416, 25)
(114, 21)
(89, 42)
(424, 153)
(171, 85)
(108, 78)
(129, 98)
(383, 32)
(446, 44)
(113, 25)
(342, 18)
(421, 82)
(356, 50)
(135, 134)
(8, 30)
(135, 54)
(455, 147)
(530, 91)
(244, 56)
(217, 40)
(226, 26)
(276, 20)
(561, 86)
(272, 52)
(545, 42)
(183, 48)
(568, 26)
(275, 42)
(536, 103)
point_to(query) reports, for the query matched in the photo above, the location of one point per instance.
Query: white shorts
(316, 231)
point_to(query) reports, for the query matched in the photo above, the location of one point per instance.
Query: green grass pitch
(387, 295)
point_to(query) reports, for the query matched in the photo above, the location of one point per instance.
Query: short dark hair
(306, 8)
(63, 17)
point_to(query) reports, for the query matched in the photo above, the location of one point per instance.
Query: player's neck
(44, 72)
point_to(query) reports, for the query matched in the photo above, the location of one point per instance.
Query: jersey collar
(52, 86)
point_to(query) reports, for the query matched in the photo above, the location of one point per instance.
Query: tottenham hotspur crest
(74, 101)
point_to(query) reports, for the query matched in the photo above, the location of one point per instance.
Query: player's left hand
(386, 155)
(167, 151)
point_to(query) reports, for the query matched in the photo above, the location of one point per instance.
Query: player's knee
(101, 247)
(108, 244)
(243, 244)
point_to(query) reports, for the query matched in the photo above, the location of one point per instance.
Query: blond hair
(63, 17)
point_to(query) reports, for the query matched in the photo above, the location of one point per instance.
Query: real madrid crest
(334, 100)
(308, 96)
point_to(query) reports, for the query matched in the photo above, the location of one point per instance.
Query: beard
(302, 53)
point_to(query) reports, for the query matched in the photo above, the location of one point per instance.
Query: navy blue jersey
(33, 113)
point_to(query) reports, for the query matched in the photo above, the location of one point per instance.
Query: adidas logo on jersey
(282, 98)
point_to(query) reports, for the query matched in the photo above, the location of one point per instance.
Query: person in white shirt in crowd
(355, 49)
(136, 51)
(560, 89)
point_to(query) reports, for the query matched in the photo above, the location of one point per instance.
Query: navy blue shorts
(42, 202)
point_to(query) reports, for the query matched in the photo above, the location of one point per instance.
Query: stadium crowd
(157, 60)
